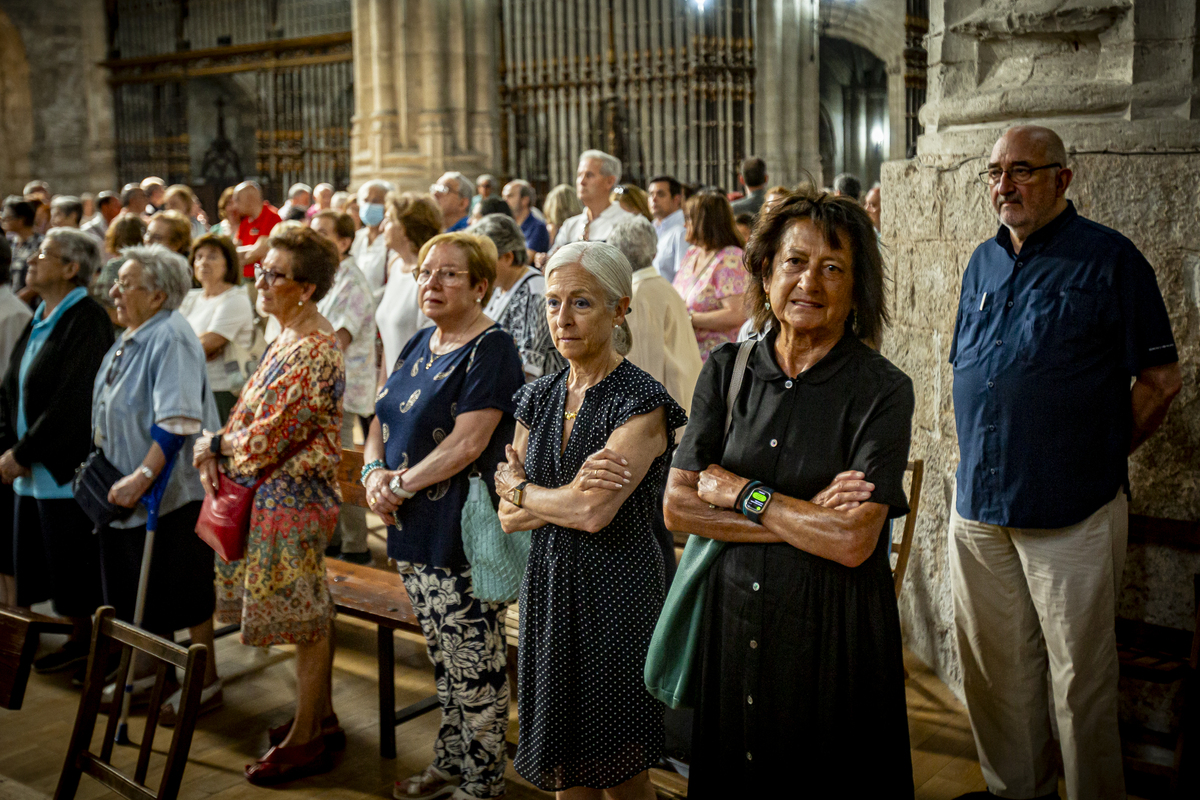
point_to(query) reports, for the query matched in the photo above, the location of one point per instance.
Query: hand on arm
(380, 498)
(127, 491)
(1150, 398)
(588, 503)
(11, 469)
(508, 476)
(213, 344)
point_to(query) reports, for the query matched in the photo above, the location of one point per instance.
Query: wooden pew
(376, 596)
(19, 632)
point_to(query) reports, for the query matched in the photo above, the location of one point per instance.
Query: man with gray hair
(520, 196)
(518, 302)
(847, 185)
(1064, 363)
(664, 343)
(370, 245)
(485, 186)
(66, 211)
(299, 199)
(452, 192)
(598, 173)
(108, 206)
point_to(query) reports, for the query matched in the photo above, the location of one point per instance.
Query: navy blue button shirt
(1045, 345)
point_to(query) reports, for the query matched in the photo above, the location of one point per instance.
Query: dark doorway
(854, 109)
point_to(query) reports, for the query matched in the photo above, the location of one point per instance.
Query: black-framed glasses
(1018, 174)
(112, 368)
(269, 276)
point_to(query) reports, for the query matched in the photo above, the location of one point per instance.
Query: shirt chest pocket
(1060, 325)
(974, 326)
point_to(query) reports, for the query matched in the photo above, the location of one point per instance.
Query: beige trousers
(1028, 601)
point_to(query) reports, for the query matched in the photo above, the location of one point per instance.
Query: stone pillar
(787, 90)
(425, 89)
(1114, 78)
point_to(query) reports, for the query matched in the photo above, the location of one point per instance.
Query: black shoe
(333, 551)
(110, 670)
(357, 558)
(69, 655)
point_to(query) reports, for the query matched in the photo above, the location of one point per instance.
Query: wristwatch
(214, 444)
(147, 473)
(518, 494)
(756, 503)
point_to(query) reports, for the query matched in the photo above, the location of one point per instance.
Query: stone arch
(877, 26)
(16, 109)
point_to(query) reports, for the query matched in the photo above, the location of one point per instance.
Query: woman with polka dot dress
(584, 473)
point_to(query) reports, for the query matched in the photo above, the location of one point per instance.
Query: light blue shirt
(159, 374)
(41, 484)
(671, 245)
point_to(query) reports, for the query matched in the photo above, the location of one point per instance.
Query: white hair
(611, 269)
(297, 188)
(609, 165)
(77, 247)
(505, 234)
(163, 270)
(636, 239)
(465, 189)
(366, 188)
(526, 189)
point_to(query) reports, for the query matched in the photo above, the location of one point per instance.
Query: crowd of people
(615, 363)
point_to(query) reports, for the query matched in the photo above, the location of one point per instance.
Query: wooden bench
(376, 596)
(19, 632)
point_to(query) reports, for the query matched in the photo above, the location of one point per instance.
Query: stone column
(787, 91)
(425, 89)
(1114, 78)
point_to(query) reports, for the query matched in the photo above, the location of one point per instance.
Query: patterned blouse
(523, 315)
(703, 282)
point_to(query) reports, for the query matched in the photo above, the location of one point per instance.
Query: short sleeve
(493, 374)
(233, 316)
(883, 442)
(643, 394)
(704, 439)
(729, 278)
(540, 241)
(1148, 338)
(530, 398)
(179, 373)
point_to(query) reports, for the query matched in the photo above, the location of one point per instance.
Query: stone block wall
(935, 213)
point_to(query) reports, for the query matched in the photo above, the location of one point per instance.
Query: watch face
(757, 500)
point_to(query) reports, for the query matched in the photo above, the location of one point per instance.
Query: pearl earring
(301, 304)
(768, 305)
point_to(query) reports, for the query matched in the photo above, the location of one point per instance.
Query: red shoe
(282, 764)
(331, 731)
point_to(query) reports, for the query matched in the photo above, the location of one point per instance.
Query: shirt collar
(73, 297)
(669, 221)
(147, 327)
(644, 273)
(762, 360)
(1042, 235)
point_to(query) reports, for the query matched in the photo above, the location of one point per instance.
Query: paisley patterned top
(295, 392)
(417, 409)
(704, 282)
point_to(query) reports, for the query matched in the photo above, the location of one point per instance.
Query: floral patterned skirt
(278, 591)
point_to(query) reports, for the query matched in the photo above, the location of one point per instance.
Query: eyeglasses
(112, 368)
(446, 277)
(269, 276)
(1019, 174)
(619, 189)
(124, 287)
(438, 188)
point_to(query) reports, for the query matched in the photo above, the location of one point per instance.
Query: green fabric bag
(497, 559)
(671, 657)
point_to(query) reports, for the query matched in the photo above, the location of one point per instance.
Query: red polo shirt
(251, 230)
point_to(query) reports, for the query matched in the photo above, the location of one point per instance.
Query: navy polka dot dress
(590, 601)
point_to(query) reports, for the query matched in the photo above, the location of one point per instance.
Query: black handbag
(90, 486)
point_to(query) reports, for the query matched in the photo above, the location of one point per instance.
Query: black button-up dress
(801, 676)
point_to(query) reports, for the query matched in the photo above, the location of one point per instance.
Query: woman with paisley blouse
(445, 412)
(289, 420)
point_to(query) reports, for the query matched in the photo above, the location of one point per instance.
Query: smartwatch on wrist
(214, 444)
(756, 503)
(746, 490)
(518, 495)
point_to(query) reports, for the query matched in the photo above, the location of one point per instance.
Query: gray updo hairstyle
(611, 269)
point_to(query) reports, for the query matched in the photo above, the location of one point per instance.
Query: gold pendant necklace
(570, 414)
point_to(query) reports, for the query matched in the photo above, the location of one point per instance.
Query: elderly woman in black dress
(585, 472)
(801, 681)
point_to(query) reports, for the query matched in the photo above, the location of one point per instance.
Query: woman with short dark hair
(288, 420)
(801, 649)
(220, 314)
(45, 408)
(711, 279)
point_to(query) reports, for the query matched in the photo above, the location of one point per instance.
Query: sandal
(429, 784)
(282, 764)
(211, 698)
(331, 731)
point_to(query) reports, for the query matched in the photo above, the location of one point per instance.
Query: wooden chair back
(109, 633)
(349, 474)
(904, 546)
(19, 632)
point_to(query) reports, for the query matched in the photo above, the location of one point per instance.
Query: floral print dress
(277, 591)
(703, 282)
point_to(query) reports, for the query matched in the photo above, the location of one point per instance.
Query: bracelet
(369, 468)
(743, 494)
(397, 488)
